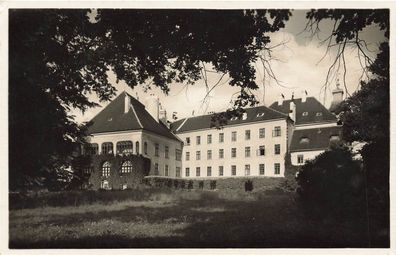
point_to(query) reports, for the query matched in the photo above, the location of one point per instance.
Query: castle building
(256, 144)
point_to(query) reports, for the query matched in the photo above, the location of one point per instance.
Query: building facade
(256, 144)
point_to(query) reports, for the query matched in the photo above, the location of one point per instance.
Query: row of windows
(166, 170)
(233, 170)
(127, 147)
(259, 152)
(275, 133)
(126, 167)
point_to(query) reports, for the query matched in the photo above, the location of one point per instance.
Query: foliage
(331, 183)
(59, 56)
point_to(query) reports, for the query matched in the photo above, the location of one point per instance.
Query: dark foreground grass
(183, 219)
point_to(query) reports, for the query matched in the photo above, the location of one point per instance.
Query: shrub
(201, 185)
(330, 182)
(213, 185)
(248, 185)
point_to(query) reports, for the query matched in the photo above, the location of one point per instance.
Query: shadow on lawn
(217, 223)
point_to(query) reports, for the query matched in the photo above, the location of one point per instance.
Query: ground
(182, 219)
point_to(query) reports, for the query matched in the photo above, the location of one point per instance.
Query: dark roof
(318, 138)
(112, 118)
(311, 105)
(205, 121)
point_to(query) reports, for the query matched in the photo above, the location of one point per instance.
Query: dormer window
(318, 114)
(305, 114)
(334, 138)
(234, 118)
(304, 140)
(244, 116)
(110, 119)
(260, 114)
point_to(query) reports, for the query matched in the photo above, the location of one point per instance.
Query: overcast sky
(298, 69)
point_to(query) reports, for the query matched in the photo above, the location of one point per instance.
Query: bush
(331, 183)
(213, 185)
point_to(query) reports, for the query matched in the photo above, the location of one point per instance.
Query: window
(221, 138)
(276, 132)
(221, 153)
(300, 159)
(177, 171)
(187, 171)
(91, 149)
(305, 114)
(247, 170)
(107, 148)
(209, 171)
(234, 136)
(247, 152)
(277, 168)
(106, 169)
(156, 169)
(261, 151)
(304, 140)
(234, 118)
(233, 170)
(261, 169)
(221, 170)
(260, 114)
(244, 116)
(156, 153)
(262, 133)
(277, 149)
(198, 171)
(318, 114)
(209, 156)
(145, 148)
(166, 170)
(166, 151)
(124, 147)
(178, 154)
(187, 140)
(187, 155)
(247, 134)
(198, 155)
(209, 139)
(126, 167)
(233, 152)
(88, 170)
(198, 140)
(137, 148)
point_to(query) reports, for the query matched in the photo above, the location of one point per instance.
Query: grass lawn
(182, 219)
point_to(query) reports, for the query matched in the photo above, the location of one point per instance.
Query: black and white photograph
(145, 127)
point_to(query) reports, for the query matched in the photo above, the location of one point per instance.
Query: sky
(299, 67)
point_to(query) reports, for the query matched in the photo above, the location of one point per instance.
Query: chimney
(127, 103)
(338, 94)
(163, 118)
(152, 106)
(292, 112)
(304, 96)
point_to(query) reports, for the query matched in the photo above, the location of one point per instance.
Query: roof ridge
(137, 117)
(185, 120)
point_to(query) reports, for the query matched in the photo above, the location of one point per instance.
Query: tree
(365, 114)
(58, 57)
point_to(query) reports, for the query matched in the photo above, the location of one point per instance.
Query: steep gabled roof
(317, 138)
(254, 114)
(312, 106)
(112, 119)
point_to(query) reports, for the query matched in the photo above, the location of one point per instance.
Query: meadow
(153, 218)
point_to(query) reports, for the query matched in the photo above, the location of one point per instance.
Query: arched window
(145, 148)
(106, 169)
(107, 148)
(137, 148)
(124, 147)
(126, 167)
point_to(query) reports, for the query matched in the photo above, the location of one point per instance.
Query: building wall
(307, 155)
(171, 161)
(240, 161)
(141, 137)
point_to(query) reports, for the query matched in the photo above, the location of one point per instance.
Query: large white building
(254, 145)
